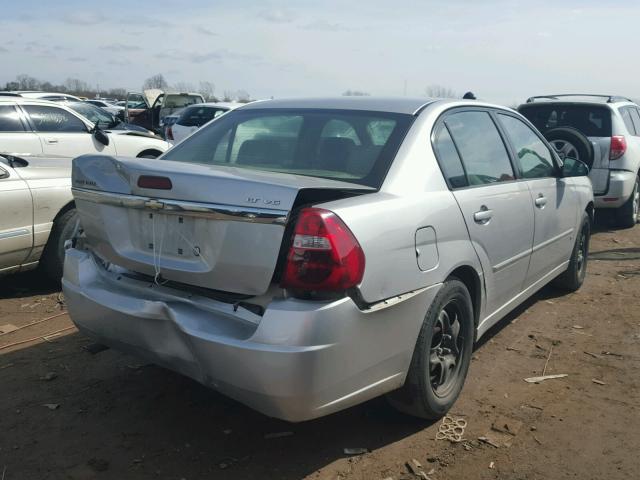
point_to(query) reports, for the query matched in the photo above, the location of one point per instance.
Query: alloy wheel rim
(565, 149)
(447, 345)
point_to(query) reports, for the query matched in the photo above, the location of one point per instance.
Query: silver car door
(15, 135)
(16, 220)
(496, 208)
(553, 199)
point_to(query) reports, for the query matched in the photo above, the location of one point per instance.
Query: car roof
(405, 105)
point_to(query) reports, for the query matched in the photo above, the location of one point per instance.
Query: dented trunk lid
(217, 227)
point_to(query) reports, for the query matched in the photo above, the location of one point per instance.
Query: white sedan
(112, 108)
(195, 116)
(38, 127)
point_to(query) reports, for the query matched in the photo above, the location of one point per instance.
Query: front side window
(532, 155)
(10, 119)
(52, 119)
(483, 153)
(198, 116)
(338, 144)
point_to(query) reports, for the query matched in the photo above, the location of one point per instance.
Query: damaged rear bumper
(298, 361)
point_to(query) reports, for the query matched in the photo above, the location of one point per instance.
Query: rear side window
(626, 116)
(52, 119)
(10, 119)
(449, 159)
(591, 120)
(354, 146)
(636, 121)
(532, 155)
(198, 116)
(483, 152)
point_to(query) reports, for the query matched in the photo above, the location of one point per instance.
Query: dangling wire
(158, 258)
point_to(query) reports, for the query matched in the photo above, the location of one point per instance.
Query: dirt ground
(68, 414)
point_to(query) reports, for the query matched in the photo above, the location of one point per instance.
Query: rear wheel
(573, 278)
(441, 357)
(627, 214)
(53, 256)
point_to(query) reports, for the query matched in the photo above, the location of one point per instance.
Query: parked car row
(304, 256)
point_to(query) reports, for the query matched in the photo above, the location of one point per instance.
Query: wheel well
(64, 210)
(471, 280)
(150, 151)
(590, 211)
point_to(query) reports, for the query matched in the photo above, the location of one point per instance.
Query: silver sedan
(304, 256)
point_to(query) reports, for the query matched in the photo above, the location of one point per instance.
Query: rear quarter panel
(414, 195)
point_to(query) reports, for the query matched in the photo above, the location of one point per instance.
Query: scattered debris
(544, 370)
(8, 328)
(613, 354)
(355, 451)
(536, 407)
(599, 382)
(2, 332)
(578, 327)
(545, 377)
(512, 349)
(94, 348)
(592, 354)
(492, 465)
(270, 436)
(488, 441)
(432, 459)
(6, 365)
(98, 464)
(40, 337)
(49, 376)
(536, 439)
(51, 406)
(431, 472)
(451, 429)
(507, 425)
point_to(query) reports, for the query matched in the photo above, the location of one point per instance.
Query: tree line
(80, 88)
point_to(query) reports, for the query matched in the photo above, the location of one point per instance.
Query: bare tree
(243, 96)
(156, 81)
(75, 85)
(438, 91)
(227, 96)
(117, 93)
(207, 90)
(355, 93)
(183, 87)
(26, 82)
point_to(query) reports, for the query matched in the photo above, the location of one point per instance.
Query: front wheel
(627, 214)
(441, 357)
(573, 278)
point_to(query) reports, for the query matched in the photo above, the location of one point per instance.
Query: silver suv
(611, 149)
(304, 256)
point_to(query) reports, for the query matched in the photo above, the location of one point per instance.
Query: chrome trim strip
(510, 261)
(177, 207)
(14, 233)
(551, 240)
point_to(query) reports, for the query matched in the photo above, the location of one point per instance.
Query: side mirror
(100, 136)
(572, 167)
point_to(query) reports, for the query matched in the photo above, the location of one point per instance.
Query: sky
(503, 50)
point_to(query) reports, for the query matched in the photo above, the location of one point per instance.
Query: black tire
(627, 214)
(425, 393)
(563, 138)
(53, 256)
(573, 278)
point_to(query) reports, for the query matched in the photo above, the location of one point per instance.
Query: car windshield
(354, 146)
(94, 114)
(591, 120)
(196, 116)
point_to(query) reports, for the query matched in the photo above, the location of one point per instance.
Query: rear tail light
(169, 133)
(324, 255)
(618, 147)
(157, 183)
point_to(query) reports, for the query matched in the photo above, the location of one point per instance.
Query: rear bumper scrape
(300, 360)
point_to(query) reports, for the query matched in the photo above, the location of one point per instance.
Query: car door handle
(483, 216)
(51, 140)
(541, 201)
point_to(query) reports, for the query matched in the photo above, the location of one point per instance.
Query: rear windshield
(353, 146)
(196, 116)
(179, 101)
(591, 120)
